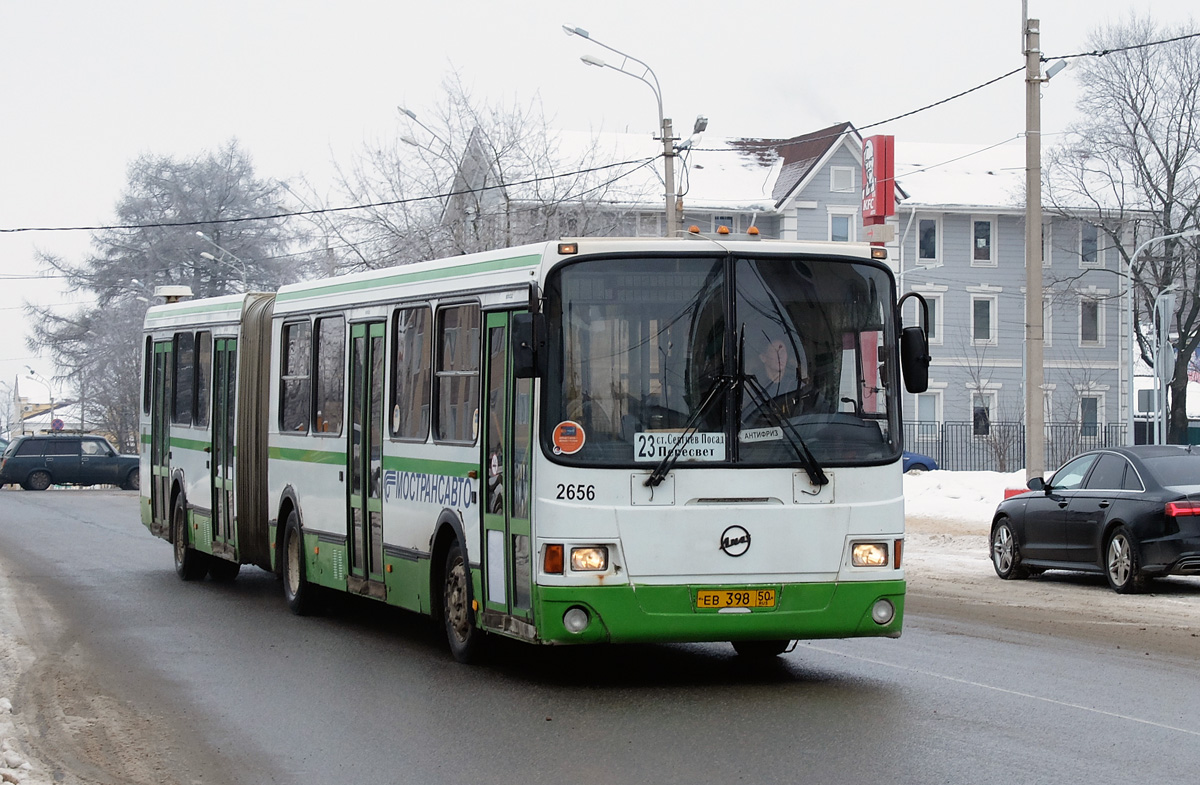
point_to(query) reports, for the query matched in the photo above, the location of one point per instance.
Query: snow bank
(967, 498)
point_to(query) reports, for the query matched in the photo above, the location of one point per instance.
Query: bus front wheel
(457, 614)
(190, 564)
(296, 588)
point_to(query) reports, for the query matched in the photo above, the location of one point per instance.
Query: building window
(1047, 244)
(982, 243)
(928, 408)
(933, 328)
(648, 225)
(1089, 415)
(982, 404)
(841, 222)
(928, 241)
(724, 220)
(841, 179)
(839, 228)
(1089, 245)
(983, 320)
(294, 385)
(1047, 320)
(1090, 323)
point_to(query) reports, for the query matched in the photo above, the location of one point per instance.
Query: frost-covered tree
(1131, 168)
(154, 242)
(472, 176)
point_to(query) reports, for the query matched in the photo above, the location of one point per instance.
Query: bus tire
(760, 650)
(190, 564)
(457, 613)
(296, 589)
(223, 571)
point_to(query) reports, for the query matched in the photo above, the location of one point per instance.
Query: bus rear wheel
(296, 588)
(457, 613)
(190, 564)
(760, 649)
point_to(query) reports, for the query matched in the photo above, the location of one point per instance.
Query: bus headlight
(869, 554)
(590, 559)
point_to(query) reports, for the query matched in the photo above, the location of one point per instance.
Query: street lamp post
(1131, 392)
(664, 123)
(241, 266)
(35, 376)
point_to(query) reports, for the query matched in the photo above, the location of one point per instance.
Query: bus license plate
(736, 598)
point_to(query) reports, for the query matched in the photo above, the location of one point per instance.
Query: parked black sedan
(1131, 513)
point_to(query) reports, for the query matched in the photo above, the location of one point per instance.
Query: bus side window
(410, 374)
(457, 378)
(294, 389)
(330, 376)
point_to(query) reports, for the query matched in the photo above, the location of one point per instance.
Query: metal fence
(1000, 446)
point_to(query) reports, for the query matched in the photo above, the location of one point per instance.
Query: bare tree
(154, 242)
(473, 177)
(1131, 168)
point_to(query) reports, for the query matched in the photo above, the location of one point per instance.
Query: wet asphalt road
(366, 693)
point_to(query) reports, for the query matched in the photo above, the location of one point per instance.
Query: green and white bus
(595, 440)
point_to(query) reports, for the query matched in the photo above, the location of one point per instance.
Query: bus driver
(780, 387)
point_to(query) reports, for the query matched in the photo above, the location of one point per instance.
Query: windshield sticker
(698, 447)
(568, 438)
(751, 435)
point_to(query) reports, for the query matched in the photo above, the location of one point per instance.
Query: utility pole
(1035, 415)
(668, 141)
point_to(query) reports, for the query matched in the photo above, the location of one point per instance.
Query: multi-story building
(959, 241)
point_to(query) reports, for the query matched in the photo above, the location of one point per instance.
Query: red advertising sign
(879, 177)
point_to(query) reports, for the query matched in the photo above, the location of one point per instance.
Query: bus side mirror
(528, 345)
(914, 359)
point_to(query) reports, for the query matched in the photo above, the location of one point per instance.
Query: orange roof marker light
(693, 229)
(722, 229)
(752, 231)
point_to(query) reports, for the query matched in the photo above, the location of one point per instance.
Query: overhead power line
(637, 164)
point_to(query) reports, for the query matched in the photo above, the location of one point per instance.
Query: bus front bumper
(642, 613)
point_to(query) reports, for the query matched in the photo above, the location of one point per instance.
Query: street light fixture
(411, 115)
(241, 266)
(1130, 391)
(647, 76)
(37, 377)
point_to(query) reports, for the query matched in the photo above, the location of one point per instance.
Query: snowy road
(131, 676)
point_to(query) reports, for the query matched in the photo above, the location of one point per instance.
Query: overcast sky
(87, 86)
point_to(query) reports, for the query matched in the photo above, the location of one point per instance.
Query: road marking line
(970, 683)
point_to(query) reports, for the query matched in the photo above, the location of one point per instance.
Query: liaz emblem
(735, 541)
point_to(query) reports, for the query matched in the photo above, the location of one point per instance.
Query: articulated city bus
(600, 440)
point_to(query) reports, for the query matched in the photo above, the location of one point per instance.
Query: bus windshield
(765, 360)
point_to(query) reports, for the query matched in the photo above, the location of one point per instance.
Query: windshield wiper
(669, 460)
(775, 417)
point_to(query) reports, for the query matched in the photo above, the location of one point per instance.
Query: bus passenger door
(160, 439)
(507, 465)
(224, 406)
(364, 458)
